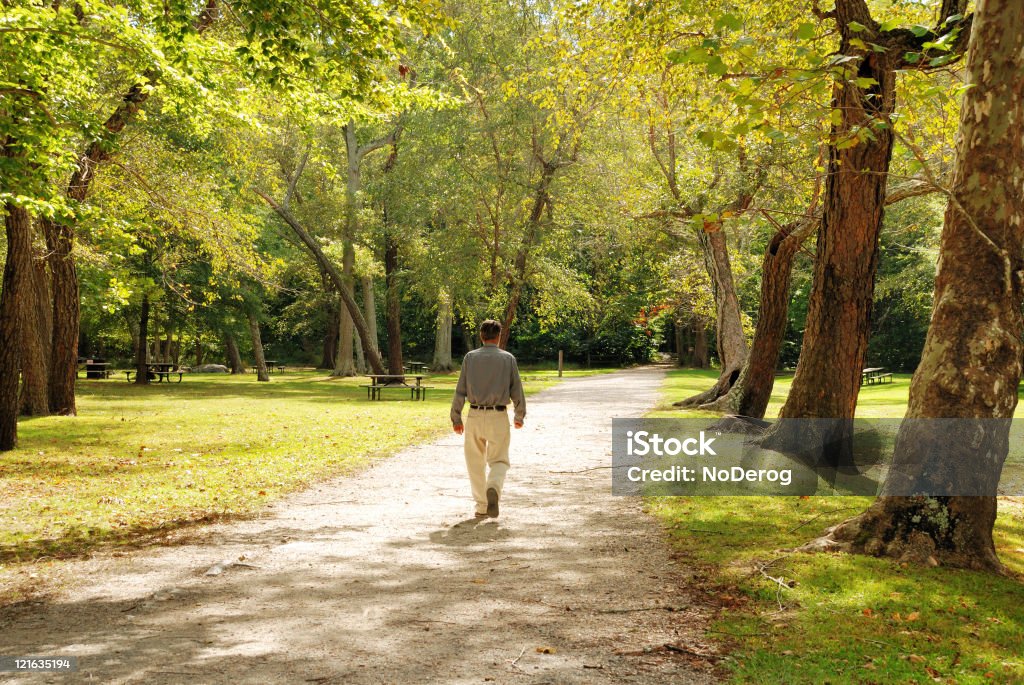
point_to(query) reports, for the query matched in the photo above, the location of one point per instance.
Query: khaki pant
(487, 438)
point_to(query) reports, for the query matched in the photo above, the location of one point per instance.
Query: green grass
(846, 619)
(138, 462)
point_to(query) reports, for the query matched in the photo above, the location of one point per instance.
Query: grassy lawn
(138, 462)
(839, 618)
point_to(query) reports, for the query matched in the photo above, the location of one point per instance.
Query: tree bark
(234, 358)
(35, 336)
(827, 378)
(971, 365)
(443, 338)
(393, 304)
(330, 352)
(257, 348)
(17, 286)
(64, 345)
(142, 354)
(731, 343)
(700, 344)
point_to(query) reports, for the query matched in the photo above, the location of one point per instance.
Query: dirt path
(380, 578)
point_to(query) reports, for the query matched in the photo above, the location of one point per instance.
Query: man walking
(489, 379)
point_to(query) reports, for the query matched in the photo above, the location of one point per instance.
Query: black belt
(500, 407)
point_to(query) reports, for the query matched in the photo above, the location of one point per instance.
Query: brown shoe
(492, 503)
(480, 516)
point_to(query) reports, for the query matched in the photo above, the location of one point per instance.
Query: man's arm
(515, 391)
(459, 401)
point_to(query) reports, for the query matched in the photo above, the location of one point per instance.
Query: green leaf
(865, 82)
(716, 67)
(857, 27)
(806, 31)
(728, 21)
(919, 30)
(890, 25)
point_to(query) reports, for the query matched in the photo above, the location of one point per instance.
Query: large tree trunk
(17, 287)
(393, 303)
(142, 354)
(234, 358)
(732, 345)
(36, 334)
(971, 365)
(750, 393)
(827, 378)
(257, 348)
(64, 346)
(443, 338)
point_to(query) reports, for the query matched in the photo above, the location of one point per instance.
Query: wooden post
(561, 358)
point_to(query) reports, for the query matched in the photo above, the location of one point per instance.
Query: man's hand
(458, 429)
(518, 424)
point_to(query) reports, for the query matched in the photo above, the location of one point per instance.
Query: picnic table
(382, 381)
(271, 365)
(415, 367)
(875, 374)
(97, 368)
(160, 371)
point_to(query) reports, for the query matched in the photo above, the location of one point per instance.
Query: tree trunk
(700, 344)
(344, 364)
(334, 307)
(36, 335)
(971, 365)
(17, 287)
(732, 345)
(142, 356)
(199, 352)
(750, 393)
(64, 346)
(393, 303)
(679, 341)
(443, 338)
(370, 312)
(827, 378)
(234, 358)
(358, 347)
(257, 348)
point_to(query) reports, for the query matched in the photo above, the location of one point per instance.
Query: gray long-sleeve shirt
(489, 377)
